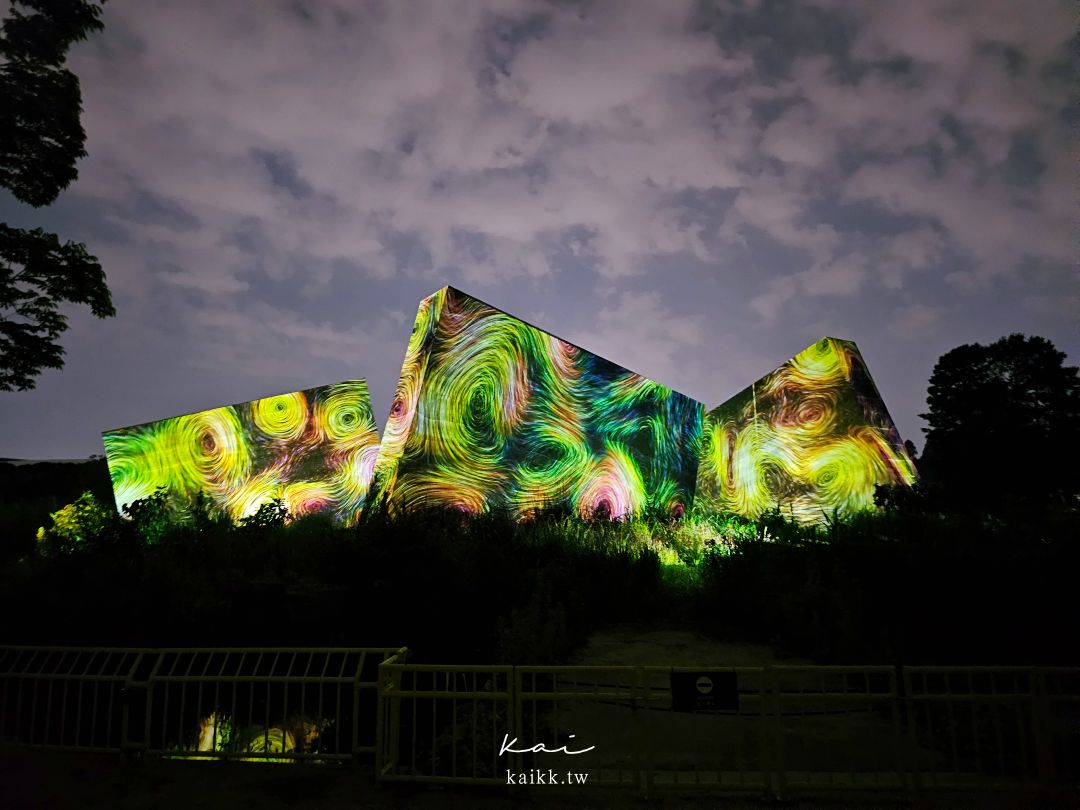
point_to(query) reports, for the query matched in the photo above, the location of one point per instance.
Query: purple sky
(696, 191)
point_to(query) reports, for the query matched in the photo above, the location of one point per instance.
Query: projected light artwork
(810, 438)
(314, 449)
(492, 413)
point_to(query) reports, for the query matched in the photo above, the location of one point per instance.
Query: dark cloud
(695, 190)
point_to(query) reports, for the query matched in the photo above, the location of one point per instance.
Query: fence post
(778, 733)
(1040, 727)
(915, 754)
(767, 768)
(128, 693)
(356, 712)
(386, 715)
(902, 748)
(380, 722)
(159, 656)
(515, 717)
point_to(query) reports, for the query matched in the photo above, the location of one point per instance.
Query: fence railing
(780, 730)
(66, 698)
(440, 723)
(248, 703)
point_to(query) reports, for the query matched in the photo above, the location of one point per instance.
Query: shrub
(75, 525)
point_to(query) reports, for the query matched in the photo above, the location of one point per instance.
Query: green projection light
(494, 414)
(314, 449)
(491, 413)
(812, 438)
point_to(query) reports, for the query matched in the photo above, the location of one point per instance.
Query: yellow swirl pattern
(281, 417)
(300, 447)
(812, 438)
(492, 413)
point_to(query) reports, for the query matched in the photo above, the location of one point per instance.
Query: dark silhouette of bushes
(909, 584)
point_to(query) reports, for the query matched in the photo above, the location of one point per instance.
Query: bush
(905, 584)
(76, 524)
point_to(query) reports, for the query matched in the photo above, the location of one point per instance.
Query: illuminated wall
(811, 437)
(492, 413)
(313, 449)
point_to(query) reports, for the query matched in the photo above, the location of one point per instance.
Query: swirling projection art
(313, 449)
(811, 438)
(492, 413)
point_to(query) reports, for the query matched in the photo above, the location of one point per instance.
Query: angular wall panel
(492, 413)
(314, 449)
(811, 438)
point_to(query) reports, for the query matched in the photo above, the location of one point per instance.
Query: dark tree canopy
(41, 136)
(1004, 423)
(37, 273)
(41, 139)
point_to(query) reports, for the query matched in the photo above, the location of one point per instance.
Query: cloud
(338, 128)
(639, 331)
(274, 178)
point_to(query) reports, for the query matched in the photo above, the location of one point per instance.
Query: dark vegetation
(41, 140)
(975, 565)
(29, 493)
(909, 584)
(1004, 425)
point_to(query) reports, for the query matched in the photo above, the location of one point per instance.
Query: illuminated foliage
(75, 524)
(307, 451)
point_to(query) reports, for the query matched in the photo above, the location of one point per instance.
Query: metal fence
(262, 704)
(441, 723)
(66, 698)
(779, 730)
(784, 730)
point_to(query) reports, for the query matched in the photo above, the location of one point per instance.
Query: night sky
(696, 191)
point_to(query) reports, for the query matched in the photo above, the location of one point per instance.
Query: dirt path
(633, 646)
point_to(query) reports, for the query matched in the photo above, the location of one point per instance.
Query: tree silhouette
(1004, 424)
(41, 138)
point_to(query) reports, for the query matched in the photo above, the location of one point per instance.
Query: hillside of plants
(912, 582)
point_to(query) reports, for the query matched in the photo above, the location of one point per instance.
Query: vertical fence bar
(1040, 722)
(780, 764)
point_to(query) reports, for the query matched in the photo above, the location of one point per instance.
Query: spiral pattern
(343, 416)
(135, 465)
(351, 482)
(282, 417)
(306, 497)
(300, 447)
(810, 438)
(245, 500)
(492, 413)
(403, 409)
(615, 488)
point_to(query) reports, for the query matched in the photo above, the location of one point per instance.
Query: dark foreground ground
(34, 779)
